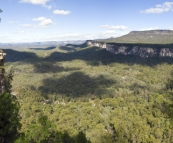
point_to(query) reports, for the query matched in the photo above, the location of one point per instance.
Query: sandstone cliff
(96, 44)
(132, 49)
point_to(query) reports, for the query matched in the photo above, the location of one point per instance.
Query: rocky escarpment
(141, 50)
(144, 52)
(96, 44)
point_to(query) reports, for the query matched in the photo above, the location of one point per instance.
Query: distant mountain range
(38, 44)
(150, 37)
(135, 37)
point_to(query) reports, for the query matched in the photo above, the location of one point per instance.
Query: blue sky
(61, 20)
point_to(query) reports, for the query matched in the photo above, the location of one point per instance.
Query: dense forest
(78, 94)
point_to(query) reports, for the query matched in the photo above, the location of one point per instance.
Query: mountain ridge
(149, 36)
(140, 43)
(152, 32)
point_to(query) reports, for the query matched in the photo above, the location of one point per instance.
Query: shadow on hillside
(48, 48)
(14, 56)
(73, 47)
(96, 56)
(84, 45)
(69, 49)
(48, 67)
(93, 56)
(76, 85)
(41, 65)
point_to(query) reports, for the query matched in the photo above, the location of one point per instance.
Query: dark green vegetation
(9, 118)
(9, 111)
(147, 37)
(68, 92)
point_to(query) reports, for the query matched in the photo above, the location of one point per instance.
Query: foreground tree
(45, 132)
(9, 118)
(9, 113)
(9, 109)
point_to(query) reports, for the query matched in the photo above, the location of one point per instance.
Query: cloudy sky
(57, 20)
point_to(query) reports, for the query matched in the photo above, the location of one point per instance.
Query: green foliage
(81, 138)
(109, 98)
(9, 113)
(44, 131)
(41, 132)
(9, 117)
(8, 80)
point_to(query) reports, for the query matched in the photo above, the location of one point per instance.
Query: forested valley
(80, 94)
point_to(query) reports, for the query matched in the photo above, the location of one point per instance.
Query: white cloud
(37, 2)
(45, 23)
(119, 27)
(21, 36)
(26, 25)
(47, 6)
(39, 19)
(165, 7)
(19, 32)
(79, 36)
(61, 12)
(150, 28)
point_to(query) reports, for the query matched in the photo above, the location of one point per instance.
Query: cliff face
(96, 44)
(141, 51)
(144, 52)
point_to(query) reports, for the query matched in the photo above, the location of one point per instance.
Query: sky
(62, 20)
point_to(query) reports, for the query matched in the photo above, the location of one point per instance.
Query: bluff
(147, 37)
(141, 43)
(142, 50)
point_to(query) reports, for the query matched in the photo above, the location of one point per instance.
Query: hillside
(111, 98)
(149, 37)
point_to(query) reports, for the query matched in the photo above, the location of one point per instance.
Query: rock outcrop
(139, 50)
(96, 44)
